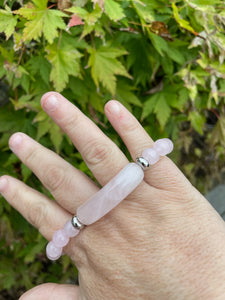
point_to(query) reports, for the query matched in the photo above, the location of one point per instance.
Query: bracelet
(117, 189)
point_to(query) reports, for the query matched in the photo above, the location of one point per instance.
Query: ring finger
(69, 186)
(44, 214)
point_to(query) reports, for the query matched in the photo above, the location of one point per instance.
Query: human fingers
(68, 185)
(46, 215)
(50, 291)
(101, 155)
(162, 175)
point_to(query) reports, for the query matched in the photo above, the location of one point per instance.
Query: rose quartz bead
(118, 188)
(53, 252)
(60, 239)
(69, 230)
(150, 155)
(163, 146)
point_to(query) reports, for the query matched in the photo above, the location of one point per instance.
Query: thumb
(49, 291)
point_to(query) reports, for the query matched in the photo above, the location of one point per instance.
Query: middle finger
(101, 155)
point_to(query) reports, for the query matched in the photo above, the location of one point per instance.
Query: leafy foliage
(163, 60)
(7, 21)
(65, 61)
(41, 20)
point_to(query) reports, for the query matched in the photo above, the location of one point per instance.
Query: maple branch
(92, 41)
(51, 6)
(95, 117)
(16, 95)
(21, 55)
(18, 63)
(135, 23)
(215, 113)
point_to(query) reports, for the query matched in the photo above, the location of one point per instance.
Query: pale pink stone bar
(111, 194)
(108, 197)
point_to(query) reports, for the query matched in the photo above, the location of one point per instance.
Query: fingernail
(51, 103)
(3, 183)
(114, 107)
(15, 140)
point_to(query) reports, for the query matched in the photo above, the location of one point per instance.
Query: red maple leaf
(74, 21)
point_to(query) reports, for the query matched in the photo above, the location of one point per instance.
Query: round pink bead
(53, 252)
(69, 230)
(60, 239)
(150, 155)
(163, 146)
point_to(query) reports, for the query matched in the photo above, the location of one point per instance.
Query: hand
(164, 241)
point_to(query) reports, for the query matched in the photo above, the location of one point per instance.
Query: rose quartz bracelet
(117, 189)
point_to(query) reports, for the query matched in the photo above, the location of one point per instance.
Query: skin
(164, 241)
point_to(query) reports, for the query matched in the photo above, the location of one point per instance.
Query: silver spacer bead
(142, 162)
(76, 223)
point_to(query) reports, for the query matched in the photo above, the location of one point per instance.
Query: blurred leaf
(7, 22)
(56, 136)
(7, 123)
(7, 275)
(197, 121)
(158, 104)
(124, 94)
(145, 9)
(175, 55)
(26, 172)
(43, 127)
(44, 71)
(162, 109)
(114, 10)
(159, 43)
(218, 133)
(34, 250)
(183, 23)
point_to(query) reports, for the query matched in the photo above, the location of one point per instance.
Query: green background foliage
(164, 60)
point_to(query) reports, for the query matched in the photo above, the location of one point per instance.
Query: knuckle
(96, 152)
(33, 211)
(36, 213)
(16, 194)
(31, 155)
(130, 126)
(54, 177)
(70, 122)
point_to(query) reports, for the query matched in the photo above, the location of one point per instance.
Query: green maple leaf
(145, 9)
(65, 61)
(162, 109)
(7, 22)
(158, 104)
(218, 133)
(125, 95)
(197, 121)
(104, 66)
(56, 136)
(41, 20)
(183, 23)
(114, 10)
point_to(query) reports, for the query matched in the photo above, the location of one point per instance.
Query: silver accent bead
(76, 223)
(142, 162)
